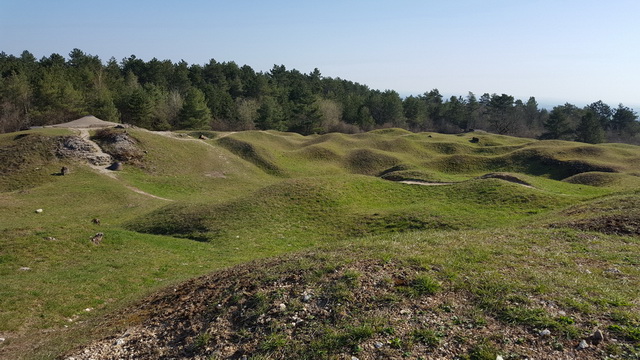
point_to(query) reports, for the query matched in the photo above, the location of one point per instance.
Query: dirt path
(425, 183)
(84, 135)
(504, 177)
(101, 169)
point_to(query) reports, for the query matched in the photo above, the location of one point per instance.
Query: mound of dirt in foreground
(318, 306)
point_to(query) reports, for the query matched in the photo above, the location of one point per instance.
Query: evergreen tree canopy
(161, 94)
(194, 114)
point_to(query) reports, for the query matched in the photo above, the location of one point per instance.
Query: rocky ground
(299, 308)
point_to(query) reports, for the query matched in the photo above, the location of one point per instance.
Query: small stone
(378, 345)
(544, 333)
(499, 357)
(354, 358)
(405, 312)
(597, 337)
(88, 309)
(562, 313)
(116, 166)
(282, 307)
(24, 268)
(583, 345)
(306, 297)
(38, 211)
(120, 342)
(97, 238)
(2, 339)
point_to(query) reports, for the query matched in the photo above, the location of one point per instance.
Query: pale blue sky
(578, 51)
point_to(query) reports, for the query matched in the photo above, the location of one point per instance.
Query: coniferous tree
(415, 111)
(102, 106)
(270, 115)
(590, 129)
(557, 125)
(15, 102)
(56, 99)
(500, 111)
(194, 114)
(624, 120)
(138, 109)
(602, 112)
(152, 94)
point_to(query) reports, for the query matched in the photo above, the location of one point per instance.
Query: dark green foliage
(557, 125)
(162, 95)
(138, 109)
(625, 121)
(194, 113)
(590, 129)
(500, 111)
(631, 333)
(602, 112)
(270, 115)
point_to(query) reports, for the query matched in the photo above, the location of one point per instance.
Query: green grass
(254, 195)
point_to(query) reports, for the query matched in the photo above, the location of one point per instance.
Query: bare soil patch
(312, 307)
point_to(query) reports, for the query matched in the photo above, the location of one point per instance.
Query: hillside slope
(519, 236)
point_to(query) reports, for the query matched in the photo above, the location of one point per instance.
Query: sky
(576, 51)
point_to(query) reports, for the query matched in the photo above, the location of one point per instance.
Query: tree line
(162, 95)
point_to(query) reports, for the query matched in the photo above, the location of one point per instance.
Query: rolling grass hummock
(269, 245)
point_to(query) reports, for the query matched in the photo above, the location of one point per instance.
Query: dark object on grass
(474, 140)
(96, 221)
(597, 337)
(116, 166)
(64, 171)
(97, 238)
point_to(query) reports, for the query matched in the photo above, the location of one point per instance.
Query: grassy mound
(369, 162)
(27, 162)
(318, 153)
(476, 267)
(29, 158)
(615, 214)
(286, 212)
(506, 177)
(594, 178)
(384, 297)
(250, 153)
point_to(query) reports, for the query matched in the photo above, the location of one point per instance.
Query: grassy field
(492, 256)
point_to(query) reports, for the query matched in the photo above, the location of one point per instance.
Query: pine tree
(590, 129)
(557, 125)
(194, 113)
